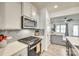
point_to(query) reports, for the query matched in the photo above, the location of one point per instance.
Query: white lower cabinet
(23, 52)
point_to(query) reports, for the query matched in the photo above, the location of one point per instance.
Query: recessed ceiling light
(55, 6)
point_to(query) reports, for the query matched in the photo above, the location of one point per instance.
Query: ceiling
(50, 5)
(74, 17)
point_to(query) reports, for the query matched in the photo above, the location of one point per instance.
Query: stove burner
(29, 40)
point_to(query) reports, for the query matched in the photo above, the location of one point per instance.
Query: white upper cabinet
(10, 15)
(29, 10)
(2, 15)
(42, 19)
(34, 12)
(13, 16)
(26, 9)
(38, 21)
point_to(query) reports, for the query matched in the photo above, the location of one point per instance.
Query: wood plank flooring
(55, 50)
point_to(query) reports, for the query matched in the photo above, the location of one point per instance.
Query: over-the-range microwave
(28, 23)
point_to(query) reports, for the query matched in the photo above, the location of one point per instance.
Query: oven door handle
(32, 47)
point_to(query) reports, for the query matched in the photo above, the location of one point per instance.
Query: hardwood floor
(55, 50)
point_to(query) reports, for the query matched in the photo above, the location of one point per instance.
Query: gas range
(30, 40)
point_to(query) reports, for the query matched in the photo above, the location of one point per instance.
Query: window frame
(78, 30)
(60, 28)
(56, 28)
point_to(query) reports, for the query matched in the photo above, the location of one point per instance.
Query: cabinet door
(13, 15)
(38, 21)
(26, 9)
(2, 12)
(57, 39)
(23, 52)
(42, 21)
(34, 13)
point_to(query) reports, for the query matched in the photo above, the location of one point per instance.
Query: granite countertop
(74, 42)
(12, 48)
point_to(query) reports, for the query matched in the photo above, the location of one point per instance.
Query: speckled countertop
(74, 42)
(12, 48)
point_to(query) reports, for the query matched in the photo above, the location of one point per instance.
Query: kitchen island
(14, 49)
(57, 38)
(57, 33)
(72, 44)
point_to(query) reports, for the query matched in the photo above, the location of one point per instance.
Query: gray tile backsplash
(17, 34)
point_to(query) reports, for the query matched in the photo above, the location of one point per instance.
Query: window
(57, 28)
(75, 30)
(63, 27)
(60, 28)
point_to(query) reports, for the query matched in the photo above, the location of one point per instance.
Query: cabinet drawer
(23, 52)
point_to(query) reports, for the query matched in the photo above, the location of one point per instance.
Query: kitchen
(29, 28)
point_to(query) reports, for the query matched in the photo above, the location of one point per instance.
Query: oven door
(35, 50)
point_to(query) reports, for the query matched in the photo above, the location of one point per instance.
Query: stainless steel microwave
(28, 22)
